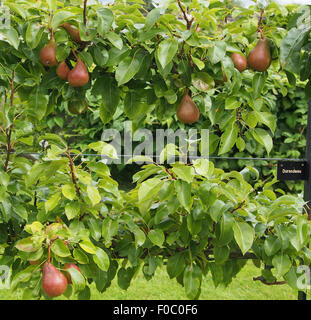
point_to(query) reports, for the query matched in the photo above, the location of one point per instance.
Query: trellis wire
(192, 157)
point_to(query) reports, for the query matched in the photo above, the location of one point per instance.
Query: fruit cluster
(78, 76)
(259, 59)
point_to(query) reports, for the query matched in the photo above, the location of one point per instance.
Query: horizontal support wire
(192, 157)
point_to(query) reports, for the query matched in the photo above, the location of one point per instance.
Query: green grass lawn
(162, 288)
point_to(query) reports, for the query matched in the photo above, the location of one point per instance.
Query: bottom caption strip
(155, 310)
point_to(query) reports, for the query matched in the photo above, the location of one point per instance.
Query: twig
(73, 176)
(9, 130)
(189, 22)
(264, 281)
(259, 27)
(84, 12)
(239, 206)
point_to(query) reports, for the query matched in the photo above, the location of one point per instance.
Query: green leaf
(139, 235)
(109, 229)
(192, 281)
(228, 139)
(224, 232)
(183, 192)
(60, 16)
(101, 259)
(156, 237)
(59, 248)
(78, 281)
(33, 35)
(217, 51)
(272, 245)
(203, 167)
(291, 46)
(152, 18)
(51, 203)
(20, 210)
(80, 256)
(93, 195)
(259, 80)
(221, 254)
(124, 277)
(115, 40)
(72, 210)
(104, 149)
(95, 227)
(166, 51)
(11, 36)
(27, 245)
(232, 103)
(266, 118)
(52, 4)
(175, 265)
(88, 246)
(216, 209)
(133, 105)
(111, 98)
(282, 263)
(68, 191)
(37, 104)
(263, 137)
(128, 68)
(104, 20)
(85, 294)
(184, 172)
(147, 192)
(244, 235)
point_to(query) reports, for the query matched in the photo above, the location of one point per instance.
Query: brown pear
(259, 58)
(77, 106)
(72, 31)
(67, 274)
(48, 54)
(54, 283)
(187, 111)
(79, 75)
(62, 70)
(239, 61)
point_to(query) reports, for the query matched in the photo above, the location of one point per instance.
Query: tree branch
(9, 130)
(189, 22)
(73, 176)
(264, 281)
(84, 12)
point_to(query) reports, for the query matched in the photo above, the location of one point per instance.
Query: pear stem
(52, 34)
(74, 53)
(259, 28)
(49, 254)
(84, 12)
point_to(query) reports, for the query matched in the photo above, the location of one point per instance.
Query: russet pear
(54, 283)
(48, 54)
(79, 75)
(259, 58)
(72, 31)
(187, 111)
(62, 70)
(239, 61)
